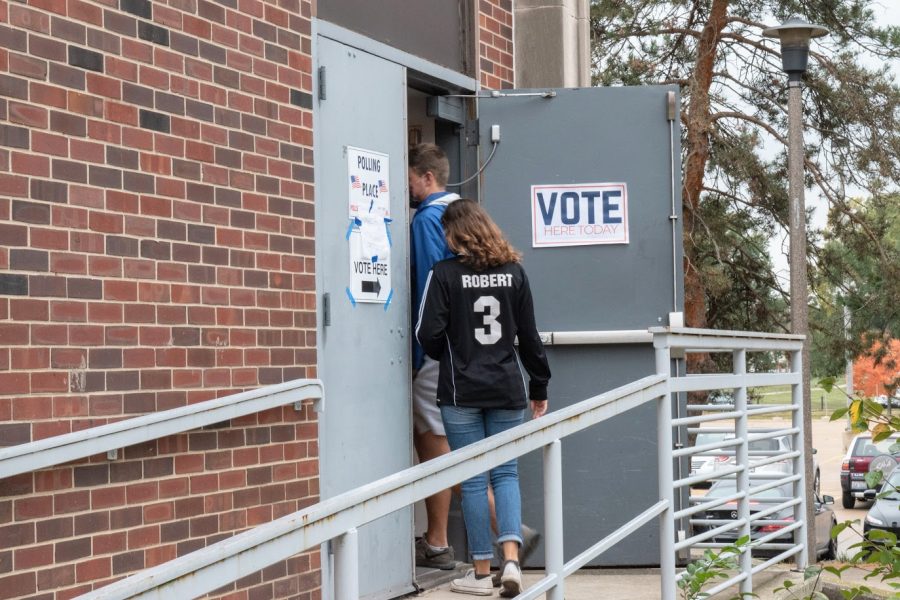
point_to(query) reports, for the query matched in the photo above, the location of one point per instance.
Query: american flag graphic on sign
(382, 185)
(354, 182)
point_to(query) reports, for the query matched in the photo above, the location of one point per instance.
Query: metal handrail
(773, 409)
(709, 407)
(338, 518)
(739, 343)
(698, 383)
(622, 336)
(720, 474)
(732, 414)
(208, 569)
(60, 449)
(706, 340)
(702, 505)
(757, 436)
(711, 533)
(709, 448)
(774, 484)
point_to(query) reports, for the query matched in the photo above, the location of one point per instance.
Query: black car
(826, 547)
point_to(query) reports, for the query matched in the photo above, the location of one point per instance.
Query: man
(428, 173)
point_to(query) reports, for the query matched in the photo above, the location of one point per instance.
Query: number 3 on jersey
(489, 308)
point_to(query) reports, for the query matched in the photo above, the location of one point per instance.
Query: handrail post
(553, 519)
(800, 536)
(742, 457)
(346, 566)
(665, 475)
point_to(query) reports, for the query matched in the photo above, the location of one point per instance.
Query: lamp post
(794, 35)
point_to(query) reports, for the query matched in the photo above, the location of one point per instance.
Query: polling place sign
(579, 214)
(368, 232)
(368, 182)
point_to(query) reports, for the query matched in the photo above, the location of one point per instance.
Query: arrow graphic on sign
(371, 287)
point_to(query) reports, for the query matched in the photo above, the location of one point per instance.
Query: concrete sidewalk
(632, 584)
(643, 584)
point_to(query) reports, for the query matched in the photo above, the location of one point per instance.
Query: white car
(707, 464)
(710, 462)
(882, 399)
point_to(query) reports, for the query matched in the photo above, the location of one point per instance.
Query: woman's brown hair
(473, 235)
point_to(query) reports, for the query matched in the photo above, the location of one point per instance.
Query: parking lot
(829, 439)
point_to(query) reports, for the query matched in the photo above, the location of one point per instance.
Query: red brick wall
(156, 249)
(495, 44)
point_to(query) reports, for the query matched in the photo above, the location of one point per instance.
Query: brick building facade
(157, 250)
(495, 44)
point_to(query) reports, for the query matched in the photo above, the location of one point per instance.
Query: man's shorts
(426, 414)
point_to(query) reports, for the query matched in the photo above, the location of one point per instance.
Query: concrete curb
(828, 585)
(799, 590)
(833, 592)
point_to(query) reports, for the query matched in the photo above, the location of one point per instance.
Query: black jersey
(469, 321)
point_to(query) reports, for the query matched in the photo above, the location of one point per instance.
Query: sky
(891, 12)
(887, 13)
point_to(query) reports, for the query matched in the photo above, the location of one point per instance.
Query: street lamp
(794, 35)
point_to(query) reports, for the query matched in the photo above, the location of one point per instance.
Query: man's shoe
(434, 558)
(470, 585)
(510, 579)
(530, 539)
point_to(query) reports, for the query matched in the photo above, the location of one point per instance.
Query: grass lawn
(823, 403)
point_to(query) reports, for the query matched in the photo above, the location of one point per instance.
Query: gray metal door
(618, 138)
(365, 429)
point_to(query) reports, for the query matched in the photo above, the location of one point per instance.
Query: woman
(473, 308)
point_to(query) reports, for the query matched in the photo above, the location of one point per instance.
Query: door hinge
(321, 83)
(472, 133)
(326, 309)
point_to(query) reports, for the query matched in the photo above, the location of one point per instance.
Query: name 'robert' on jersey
(469, 321)
(484, 281)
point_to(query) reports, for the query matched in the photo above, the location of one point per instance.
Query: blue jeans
(464, 426)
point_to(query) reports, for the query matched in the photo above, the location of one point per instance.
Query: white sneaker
(510, 579)
(472, 586)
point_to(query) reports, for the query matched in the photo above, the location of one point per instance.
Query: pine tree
(734, 127)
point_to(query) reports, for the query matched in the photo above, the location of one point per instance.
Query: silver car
(885, 513)
(710, 463)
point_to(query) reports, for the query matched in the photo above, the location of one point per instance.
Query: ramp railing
(108, 438)
(338, 518)
(766, 464)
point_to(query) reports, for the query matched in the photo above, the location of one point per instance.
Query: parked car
(885, 513)
(882, 399)
(709, 464)
(720, 397)
(862, 456)
(826, 547)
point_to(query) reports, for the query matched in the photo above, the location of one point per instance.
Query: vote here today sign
(579, 214)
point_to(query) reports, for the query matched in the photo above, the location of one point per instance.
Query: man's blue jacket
(428, 246)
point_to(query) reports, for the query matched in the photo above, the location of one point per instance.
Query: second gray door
(616, 140)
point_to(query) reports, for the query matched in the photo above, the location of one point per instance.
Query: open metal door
(365, 429)
(573, 168)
